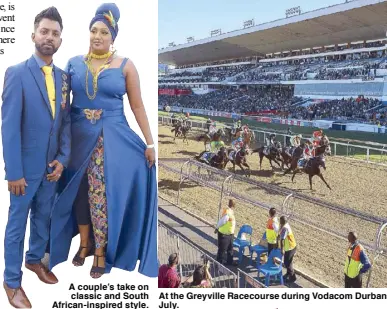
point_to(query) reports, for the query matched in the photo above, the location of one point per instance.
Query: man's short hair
(283, 220)
(173, 259)
(50, 13)
(272, 211)
(231, 203)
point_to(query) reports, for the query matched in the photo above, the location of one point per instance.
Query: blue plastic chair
(270, 269)
(242, 244)
(258, 249)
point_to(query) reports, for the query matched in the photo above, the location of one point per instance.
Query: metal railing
(227, 185)
(190, 257)
(247, 281)
(355, 152)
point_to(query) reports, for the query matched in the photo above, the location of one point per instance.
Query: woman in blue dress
(108, 193)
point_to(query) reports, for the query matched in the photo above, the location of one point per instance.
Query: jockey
(306, 155)
(234, 127)
(212, 129)
(216, 145)
(317, 135)
(208, 124)
(239, 123)
(270, 140)
(269, 143)
(308, 150)
(237, 144)
(295, 141)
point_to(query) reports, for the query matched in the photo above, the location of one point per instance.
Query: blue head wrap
(109, 14)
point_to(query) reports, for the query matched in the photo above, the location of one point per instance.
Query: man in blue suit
(36, 147)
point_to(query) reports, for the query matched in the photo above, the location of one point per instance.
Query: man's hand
(55, 175)
(17, 187)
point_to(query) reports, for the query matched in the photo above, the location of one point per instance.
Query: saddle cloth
(231, 155)
(207, 156)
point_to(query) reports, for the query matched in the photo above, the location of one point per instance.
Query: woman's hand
(150, 156)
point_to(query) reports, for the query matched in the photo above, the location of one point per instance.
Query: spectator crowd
(280, 100)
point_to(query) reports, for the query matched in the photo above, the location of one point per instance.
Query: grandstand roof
(342, 23)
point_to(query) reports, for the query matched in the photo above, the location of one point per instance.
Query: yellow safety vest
(290, 241)
(271, 235)
(229, 227)
(352, 262)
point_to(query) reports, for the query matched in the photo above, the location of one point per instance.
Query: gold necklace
(95, 56)
(95, 74)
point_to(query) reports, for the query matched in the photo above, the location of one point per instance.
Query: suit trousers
(37, 202)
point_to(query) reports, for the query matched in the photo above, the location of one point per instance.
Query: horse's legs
(271, 164)
(275, 160)
(310, 181)
(288, 170)
(260, 161)
(248, 167)
(241, 167)
(323, 179)
(294, 174)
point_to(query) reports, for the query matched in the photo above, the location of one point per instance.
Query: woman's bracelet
(150, 146)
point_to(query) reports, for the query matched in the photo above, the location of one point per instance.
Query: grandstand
(325, 65)
(321, 69)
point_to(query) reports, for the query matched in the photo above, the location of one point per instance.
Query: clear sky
(179, 19)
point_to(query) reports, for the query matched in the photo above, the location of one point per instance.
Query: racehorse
(218, 160)
(181, 130)
(239, 158)
(274, 155)
(311, 167)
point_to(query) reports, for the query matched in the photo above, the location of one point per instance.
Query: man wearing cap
(356, 263)
(168, 276)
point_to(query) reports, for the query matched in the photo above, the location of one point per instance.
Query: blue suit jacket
(31, 137)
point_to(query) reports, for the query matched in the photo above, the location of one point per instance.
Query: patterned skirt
(97, 195)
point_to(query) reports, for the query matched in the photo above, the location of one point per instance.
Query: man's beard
(41, 48)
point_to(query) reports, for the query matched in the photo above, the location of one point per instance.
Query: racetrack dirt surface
(357, 186)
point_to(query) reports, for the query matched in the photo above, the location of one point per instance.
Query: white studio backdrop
(137, 40)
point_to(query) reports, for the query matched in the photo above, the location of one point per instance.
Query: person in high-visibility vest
(226, 229)
(272, 229)
(356, 263)
(288, 249)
